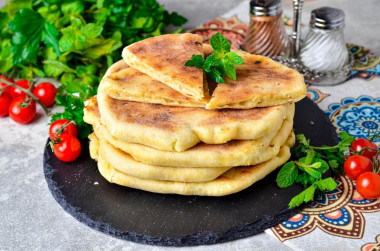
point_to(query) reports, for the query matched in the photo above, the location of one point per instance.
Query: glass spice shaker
(324, 48)
(266, 33)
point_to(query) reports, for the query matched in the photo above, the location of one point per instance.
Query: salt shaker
(324, 48)
(266, 33)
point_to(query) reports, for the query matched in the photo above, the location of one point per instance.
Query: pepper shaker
(266, 33)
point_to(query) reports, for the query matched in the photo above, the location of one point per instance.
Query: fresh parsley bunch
(221, 62)
(74, 42)
(312, 163)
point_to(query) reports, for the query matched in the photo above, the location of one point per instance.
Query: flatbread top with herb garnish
(260, 82)
(163, 58)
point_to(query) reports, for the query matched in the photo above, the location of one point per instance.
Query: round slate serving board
(174, 220)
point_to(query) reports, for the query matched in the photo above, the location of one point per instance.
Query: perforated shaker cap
(327, 18)
(265, 7)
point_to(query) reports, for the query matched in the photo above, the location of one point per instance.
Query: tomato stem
(27, 91)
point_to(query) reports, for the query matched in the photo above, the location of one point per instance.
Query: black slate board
(173, 220)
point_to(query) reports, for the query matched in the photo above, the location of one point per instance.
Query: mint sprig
(220, 63)
(312, 163)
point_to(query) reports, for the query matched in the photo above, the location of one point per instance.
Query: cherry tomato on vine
(71, 129)
(5, 101)
(46, 93)
(22, 115)
(17, 92)
(360, 143)
(356, 165)
(68, 148)
(8, 89)
(368, 185)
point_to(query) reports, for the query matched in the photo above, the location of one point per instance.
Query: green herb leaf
(215, 75)
(305, 196)
(196, 60)
(91, 30)
(219, 43)
(51, 38)
(287, 175)
(302, 139)
(28, 27)
(328, 184)
(234, 58)
(221, 62)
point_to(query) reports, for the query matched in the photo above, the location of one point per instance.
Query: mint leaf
(228, 69)
(302, 139)
(287, 175)
(314, 173)
(196, 60)
(28, 27)
(234, 58)
(221, 62)
(215, 75)
(219, 43)
(305, 196)
(213, 60)
(328, 184)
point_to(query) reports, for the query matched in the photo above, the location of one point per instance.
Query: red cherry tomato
(8, 89)
(5, 101)
(46, 93)
(356, 165)
(368, 185)
(22, 115)
(68, 149)
(58, 124)
(360, 143)
(17, 92)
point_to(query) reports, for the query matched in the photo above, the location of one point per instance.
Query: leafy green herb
(312, 163)
(74, 42)
(221, 62)
(307, 195)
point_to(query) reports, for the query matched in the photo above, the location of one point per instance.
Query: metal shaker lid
(327, 18)
(265, 7)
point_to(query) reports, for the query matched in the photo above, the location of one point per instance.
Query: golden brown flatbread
(163, 58)
(233, 181)
(124, 162)
(125, 83)
(260, 82)
(232, 153)
(173, 128)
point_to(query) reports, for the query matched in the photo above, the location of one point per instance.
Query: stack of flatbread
(157, 128)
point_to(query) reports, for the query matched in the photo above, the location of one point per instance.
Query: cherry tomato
(17, 92)
(8, 89)
(356, 165)
(68, 149)
(46, 93)
(5, 101)
(58, 124)
(368, 185)
(360, 143)
(22, 115)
